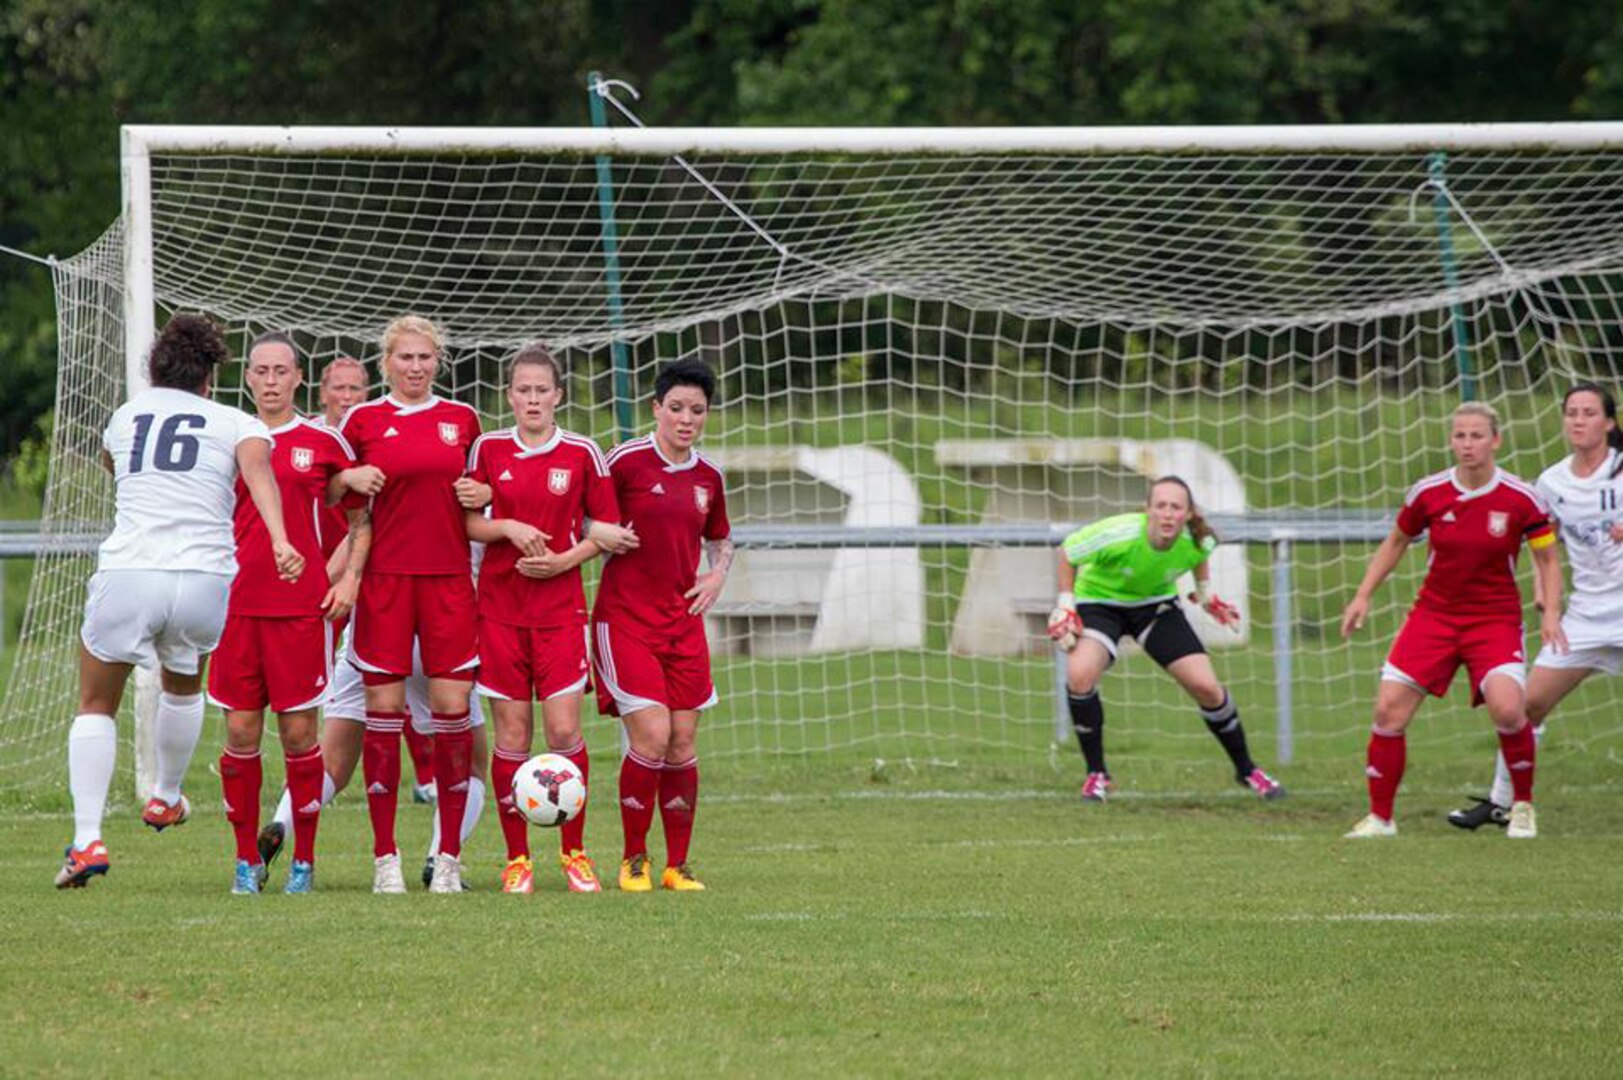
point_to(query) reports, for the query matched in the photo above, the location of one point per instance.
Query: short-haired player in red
(651, 659)
(416, 586)
(1468, 613)
(276, 650)
(546, 483)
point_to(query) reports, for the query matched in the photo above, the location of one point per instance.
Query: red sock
(421, 749)
(241, 773)
(305, 775)
(1388, 753)
(639, 788)
(515, 827)
(1520, 751)
(572, 834)
(453, 764)
(678, 800)
(380, 766)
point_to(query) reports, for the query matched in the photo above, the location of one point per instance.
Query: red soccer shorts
(634, 669)
(1432, 646)
(516, 661)
(436, 609)
(283, 662)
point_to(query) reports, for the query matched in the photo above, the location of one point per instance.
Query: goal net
(937, 350)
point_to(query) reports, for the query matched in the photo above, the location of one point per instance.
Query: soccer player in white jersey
(158, 596)
(1583, 490)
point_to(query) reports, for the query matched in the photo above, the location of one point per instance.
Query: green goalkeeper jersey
(1116, 564)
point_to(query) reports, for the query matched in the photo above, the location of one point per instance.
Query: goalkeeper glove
(1064, 624)
(1222, 612)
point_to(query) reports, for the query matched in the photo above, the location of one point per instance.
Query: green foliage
(71, 71)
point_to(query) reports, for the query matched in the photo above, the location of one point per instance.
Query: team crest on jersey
(303, 458)
(701, 499)
(1498, 523)
(448, 433)
(557, 481)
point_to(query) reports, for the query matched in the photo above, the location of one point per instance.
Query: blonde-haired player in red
(416, 589)
(342, 387)
(545, 483)
(1468, 613)
(276, 650)
(651, 659)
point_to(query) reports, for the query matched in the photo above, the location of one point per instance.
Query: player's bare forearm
(359, 542)
(719, 553)
(1547, 582)
(253, 459)
(1066, 574)
(484, 530)
(1385, 561)
(338, 559)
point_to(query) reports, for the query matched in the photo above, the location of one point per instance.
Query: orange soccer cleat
(159, 815)
(580, 873)
(80, 866)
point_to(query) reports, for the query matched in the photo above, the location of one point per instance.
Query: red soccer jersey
(1475, 539)
(417, 524)
(303, 456)
(671, 508)
(554, 487)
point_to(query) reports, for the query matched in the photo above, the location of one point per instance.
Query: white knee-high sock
(178, 724)
(470, 815)
(92, 753)
(284, 806)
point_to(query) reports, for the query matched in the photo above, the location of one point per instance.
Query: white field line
(1452, 917)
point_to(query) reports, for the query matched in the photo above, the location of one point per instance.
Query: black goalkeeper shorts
(1161, 629)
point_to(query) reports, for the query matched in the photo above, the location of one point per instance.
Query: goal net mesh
(985, 341)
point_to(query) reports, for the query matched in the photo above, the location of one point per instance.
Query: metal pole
(1283, 726)
(618, 350)
(1062, 710)
(140, 329)
(1436, 165)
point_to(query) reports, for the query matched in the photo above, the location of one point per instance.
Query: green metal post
(1437, 164)
(619, 352)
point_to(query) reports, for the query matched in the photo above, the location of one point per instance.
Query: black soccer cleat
(1481, 812)
(270, 844)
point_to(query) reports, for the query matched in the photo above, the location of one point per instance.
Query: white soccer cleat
(447, 875)
(1372, 827)
(386, 876)
(1523, 822)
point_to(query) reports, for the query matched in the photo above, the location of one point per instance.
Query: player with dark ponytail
(1583, 491)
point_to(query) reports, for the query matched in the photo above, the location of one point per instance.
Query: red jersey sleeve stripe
(473, 451)
(342, 442)
(1425, 484)
(599, 462)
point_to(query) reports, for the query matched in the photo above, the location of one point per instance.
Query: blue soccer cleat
(245, 882)
(301, 878)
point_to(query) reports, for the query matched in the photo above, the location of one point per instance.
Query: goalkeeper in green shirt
(1120, 576)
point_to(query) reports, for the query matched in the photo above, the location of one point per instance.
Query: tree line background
(72, 71)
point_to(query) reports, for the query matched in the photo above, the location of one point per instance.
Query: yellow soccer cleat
(519, 876)
(580, 873)
(680, 879)
(634, 875)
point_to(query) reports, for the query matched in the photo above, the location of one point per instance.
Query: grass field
(924, 921)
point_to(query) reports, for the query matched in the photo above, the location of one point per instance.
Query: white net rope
(986, 341)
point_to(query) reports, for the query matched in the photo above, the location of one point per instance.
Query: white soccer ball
(549, 790)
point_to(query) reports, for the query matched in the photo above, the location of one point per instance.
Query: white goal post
(1306, 302)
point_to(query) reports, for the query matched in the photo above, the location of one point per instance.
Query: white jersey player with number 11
(1583, 490)
(158, 597)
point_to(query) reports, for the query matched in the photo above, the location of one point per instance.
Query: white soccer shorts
(347, 698)
(168, 618)
(1596, 645)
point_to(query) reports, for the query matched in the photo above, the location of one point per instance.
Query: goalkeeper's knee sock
(1224, 724)
(1088, 719)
